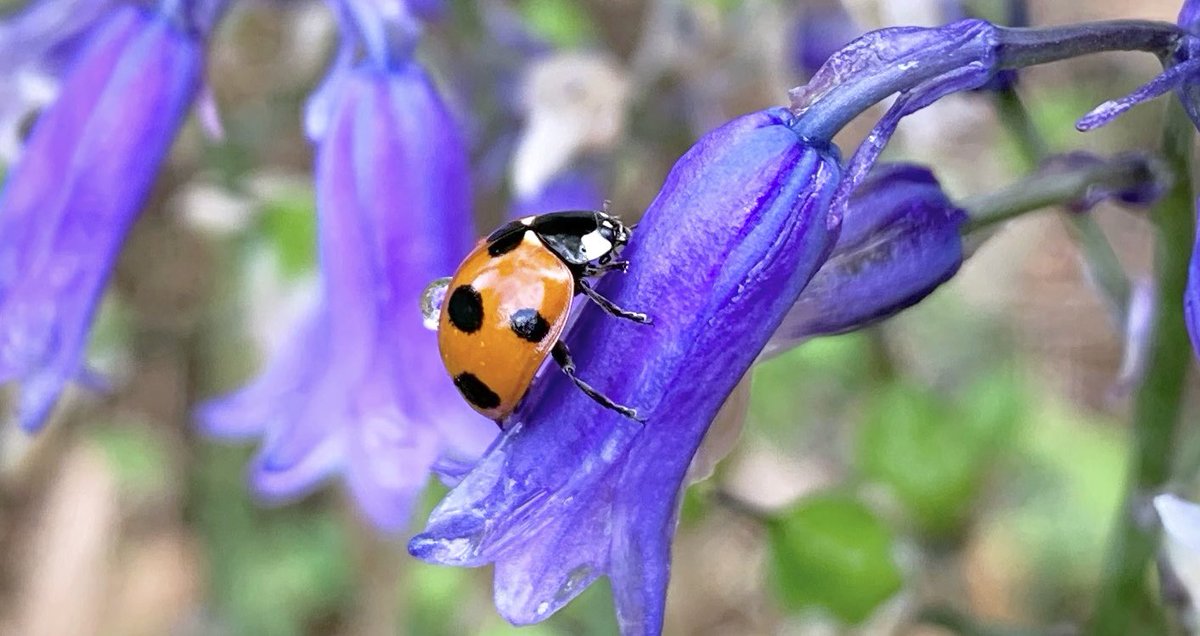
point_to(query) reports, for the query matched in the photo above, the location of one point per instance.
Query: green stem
(1041, 190)
(1126, 604)
(1018, 123)
(963, 624)
(1099, 257)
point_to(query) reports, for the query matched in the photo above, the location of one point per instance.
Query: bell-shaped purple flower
(574, 491)
(899, 241)
(361, 389)
(83, 176)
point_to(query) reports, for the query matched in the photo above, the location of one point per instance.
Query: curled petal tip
(1101, 115)
(445, 548)
(278, 482)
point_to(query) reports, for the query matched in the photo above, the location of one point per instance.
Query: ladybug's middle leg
(612, 266)
(607, 305)
(562, 355)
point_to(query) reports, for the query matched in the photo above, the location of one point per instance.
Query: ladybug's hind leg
(562, 355)
(607, 305)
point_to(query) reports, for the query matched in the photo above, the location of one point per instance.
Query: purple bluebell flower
(83, 176)
(899, 241)
(573, 491)
(361, 390)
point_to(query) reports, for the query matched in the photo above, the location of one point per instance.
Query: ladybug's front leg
(562, 355)
(607, 305)
(614, 266)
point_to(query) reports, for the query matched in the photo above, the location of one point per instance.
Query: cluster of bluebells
(787, 240)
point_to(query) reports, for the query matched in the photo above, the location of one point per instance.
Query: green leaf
(811, 383)
(271, 572)
(932, 453)
(139, 459)
(832, 552)
(289, 223)
(563, 22)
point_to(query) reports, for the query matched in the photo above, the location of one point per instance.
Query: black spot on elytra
(476, 391)
(465, 309)
(507, 242)
(529, 324)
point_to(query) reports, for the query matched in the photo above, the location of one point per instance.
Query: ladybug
(508, 303)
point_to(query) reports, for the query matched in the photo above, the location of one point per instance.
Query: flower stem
(1021, 47)
(1104, 268)
(821, 111)
(1125, 605)
(957, 622)
(1041, 190)
(1046, 190)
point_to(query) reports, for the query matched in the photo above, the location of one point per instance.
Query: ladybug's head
(611, 231)
(579, 237)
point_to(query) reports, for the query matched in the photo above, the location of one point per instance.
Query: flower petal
(899, 242)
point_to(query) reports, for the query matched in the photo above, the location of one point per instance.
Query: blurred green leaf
(694, 505)
(724, 6)
(810, 383)
(138, 458)
(436, 594)
(289, 223)
(832, 552)
(273, 572)
(1066, 490)
(563, 22)
(934, 453)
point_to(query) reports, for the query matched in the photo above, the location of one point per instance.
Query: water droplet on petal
(431, 302)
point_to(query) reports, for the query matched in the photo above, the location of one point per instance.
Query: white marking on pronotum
(594, 245)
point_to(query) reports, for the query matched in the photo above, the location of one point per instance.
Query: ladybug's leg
(596, 270)
(562, 355)
(607, 305)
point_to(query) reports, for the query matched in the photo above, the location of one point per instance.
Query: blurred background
(965, 459)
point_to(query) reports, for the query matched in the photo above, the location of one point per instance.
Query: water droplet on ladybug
(431, 302)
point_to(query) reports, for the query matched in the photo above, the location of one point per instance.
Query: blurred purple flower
(821, 30)
(85, 172)
(361, 389)
(577, 189)
(899, 241)
(36, 46)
